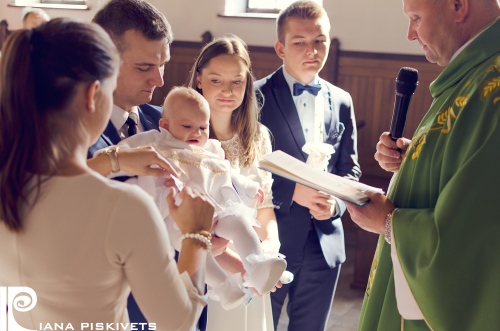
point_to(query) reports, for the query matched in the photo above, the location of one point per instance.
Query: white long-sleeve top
(86, 243)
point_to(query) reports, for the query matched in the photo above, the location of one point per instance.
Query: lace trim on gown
(234, 154)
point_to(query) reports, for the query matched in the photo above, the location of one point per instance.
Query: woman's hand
(141, 161)
(259, 196)
(144, 161)
(194, 214)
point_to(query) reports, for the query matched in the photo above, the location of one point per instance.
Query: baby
(199, 161)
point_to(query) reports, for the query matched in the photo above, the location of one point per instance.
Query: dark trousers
(310, 295)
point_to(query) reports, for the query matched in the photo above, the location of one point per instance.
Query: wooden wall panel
(370, 79)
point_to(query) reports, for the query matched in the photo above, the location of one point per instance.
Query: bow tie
(299, 88)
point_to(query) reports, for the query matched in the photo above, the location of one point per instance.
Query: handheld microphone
(406, 83)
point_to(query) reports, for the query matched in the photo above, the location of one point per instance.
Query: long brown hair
(244, 119)
(40, 70)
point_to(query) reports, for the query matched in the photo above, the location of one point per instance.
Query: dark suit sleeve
(347, 162)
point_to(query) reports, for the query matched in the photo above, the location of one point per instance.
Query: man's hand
(327, 212)
(371, 217)
(390, 153)
(320, 205)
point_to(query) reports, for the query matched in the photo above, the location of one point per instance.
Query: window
(267, 9)
(60, 4)
(269, 6)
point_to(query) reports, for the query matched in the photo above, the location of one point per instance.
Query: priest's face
(433, 24)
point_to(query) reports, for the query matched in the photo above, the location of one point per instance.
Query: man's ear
(461, 8)
(280, 49)
(91, 94)
(164, 123)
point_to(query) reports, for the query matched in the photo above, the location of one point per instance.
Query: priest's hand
(390, 153)
(371, 217)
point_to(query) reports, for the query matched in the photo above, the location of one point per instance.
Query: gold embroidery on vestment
(494, 67)
(491, 86)
(373, 271)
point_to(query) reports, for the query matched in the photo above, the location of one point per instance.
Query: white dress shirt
(310, 109)
(118, 118)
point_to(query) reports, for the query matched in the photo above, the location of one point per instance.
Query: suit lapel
(146, 121)
(287, 107)
(110, 135)
(328, 108)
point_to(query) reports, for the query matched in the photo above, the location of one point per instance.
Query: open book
(287, 166)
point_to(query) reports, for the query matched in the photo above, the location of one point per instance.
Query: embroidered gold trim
(197, 164)
(491, 86)
(373, 270)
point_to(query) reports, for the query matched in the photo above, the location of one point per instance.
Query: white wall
(361, 25)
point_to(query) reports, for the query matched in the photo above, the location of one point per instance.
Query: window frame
(52, 4)
(261, 10)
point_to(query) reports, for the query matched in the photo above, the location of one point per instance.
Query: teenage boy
(299, 107)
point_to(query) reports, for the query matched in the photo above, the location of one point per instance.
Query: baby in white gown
(199, 161)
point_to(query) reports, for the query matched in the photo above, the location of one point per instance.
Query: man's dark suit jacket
(280, 115)
(149, 116)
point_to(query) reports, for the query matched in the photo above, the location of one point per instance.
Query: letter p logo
(18, 298)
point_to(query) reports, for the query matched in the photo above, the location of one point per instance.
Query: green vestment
(447, 227)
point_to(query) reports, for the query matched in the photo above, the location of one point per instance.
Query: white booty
(231, 293)
(264, 274)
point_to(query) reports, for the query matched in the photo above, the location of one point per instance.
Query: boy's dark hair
(306, 10)
(119, 16)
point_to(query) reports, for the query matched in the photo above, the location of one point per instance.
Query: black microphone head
(407, 80)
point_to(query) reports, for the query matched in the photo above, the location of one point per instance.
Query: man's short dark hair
(119, 16)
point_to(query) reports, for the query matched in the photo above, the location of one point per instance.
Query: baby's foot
(265, 274)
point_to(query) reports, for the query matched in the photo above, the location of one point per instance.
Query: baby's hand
(260, 196)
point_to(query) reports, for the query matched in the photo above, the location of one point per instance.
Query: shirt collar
(290, 80)
(120, 115)
(472, 39)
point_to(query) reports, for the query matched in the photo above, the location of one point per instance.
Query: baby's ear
(163, 123)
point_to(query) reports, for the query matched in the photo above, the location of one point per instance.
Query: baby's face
(189, 123)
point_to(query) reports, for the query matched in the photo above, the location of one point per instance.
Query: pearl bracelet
(197, 236)
(388, 226)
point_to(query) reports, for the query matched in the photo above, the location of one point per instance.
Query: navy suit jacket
(149, 116)
(280, 115)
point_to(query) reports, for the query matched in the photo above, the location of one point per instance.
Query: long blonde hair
(244, 119)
